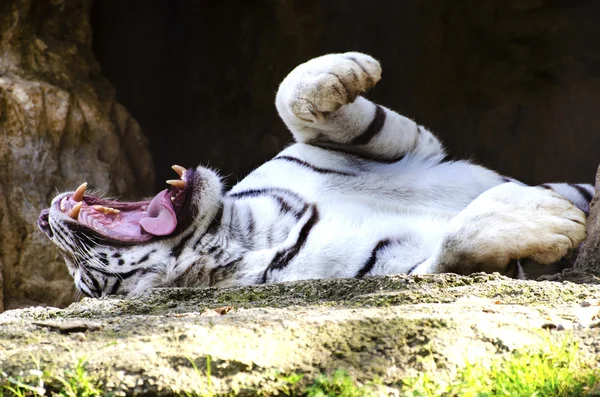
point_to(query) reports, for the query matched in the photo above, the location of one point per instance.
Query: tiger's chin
(114, 222)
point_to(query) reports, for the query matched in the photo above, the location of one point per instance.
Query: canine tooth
(178, 183)
(172, 198)
(178, 169)
(78, 195)
(75, 210)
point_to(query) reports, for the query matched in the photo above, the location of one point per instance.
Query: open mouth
(126, 222)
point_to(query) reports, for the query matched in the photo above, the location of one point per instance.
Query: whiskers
(94, 261)
(91, 265)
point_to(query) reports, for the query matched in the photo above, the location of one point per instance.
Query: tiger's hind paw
(512, 222)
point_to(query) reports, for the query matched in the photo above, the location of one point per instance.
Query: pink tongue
(161, 219)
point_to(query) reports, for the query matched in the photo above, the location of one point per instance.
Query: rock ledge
(385, 328)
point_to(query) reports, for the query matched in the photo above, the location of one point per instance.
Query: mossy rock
(387, 329)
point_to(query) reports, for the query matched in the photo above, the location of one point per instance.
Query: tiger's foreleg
(320, 103)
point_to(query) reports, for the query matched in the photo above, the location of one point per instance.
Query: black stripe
(235, 225)
(583, 191)
(64, 241)
(121, 275)
(276, 194)
(62, 236)
(282, 258)
(86, 278)
(506, 180)
(143, 259)
(176, 251)
(213, 249)
(87, 293)
(115, 287)
(217, 256)
(223, 271)
(264, 192)
(412, 269)
(216, 222)
(284, 206)
(83, 278)
(250, 228)
(312, 167)
(357, 154)
(97, 288)
(368, 266)
(373, 129)
(212, 227)
(546, 186)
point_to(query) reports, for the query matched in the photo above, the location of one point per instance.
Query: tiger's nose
(43, 223)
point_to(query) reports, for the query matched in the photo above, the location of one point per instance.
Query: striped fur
(363, 191)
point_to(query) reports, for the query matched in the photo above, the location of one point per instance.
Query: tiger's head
(116, 247)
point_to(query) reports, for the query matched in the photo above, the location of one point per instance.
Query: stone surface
(387, 328)
(587, 266)
(588, 261)
(60, 125)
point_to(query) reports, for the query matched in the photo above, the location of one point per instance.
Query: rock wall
(59, 126)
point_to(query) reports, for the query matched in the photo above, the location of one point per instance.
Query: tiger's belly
(352, 239)
(370, 219)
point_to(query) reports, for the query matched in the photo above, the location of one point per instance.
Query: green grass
(558, 371)
(75, 382)
(340, 384)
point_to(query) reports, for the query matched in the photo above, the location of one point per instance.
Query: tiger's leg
(320, 103)
(506, 223)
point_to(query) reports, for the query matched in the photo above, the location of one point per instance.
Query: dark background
(512, 84)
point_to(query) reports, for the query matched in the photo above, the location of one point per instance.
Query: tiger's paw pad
(322, 85)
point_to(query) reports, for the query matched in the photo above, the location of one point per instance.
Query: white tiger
(363, 191)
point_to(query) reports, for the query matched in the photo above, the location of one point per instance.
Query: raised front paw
(324, 84)
(510, 222)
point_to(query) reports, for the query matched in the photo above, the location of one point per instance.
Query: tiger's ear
(207, 194)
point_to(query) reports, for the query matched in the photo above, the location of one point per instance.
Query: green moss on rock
(386, 328)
